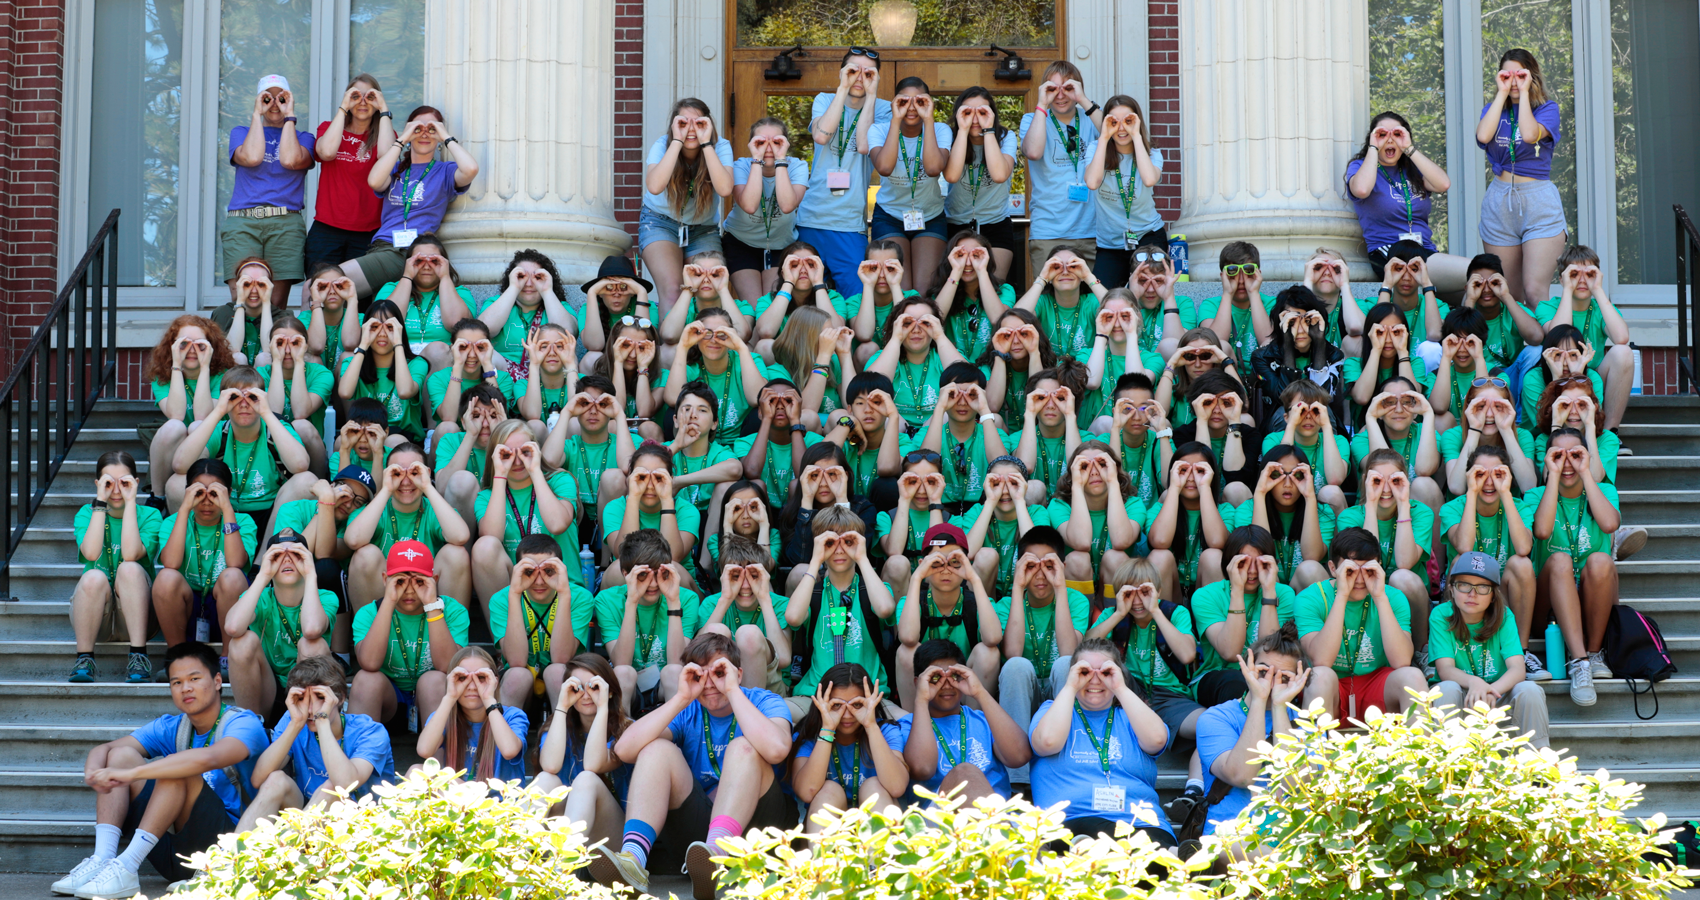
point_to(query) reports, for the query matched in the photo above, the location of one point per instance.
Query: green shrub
(1449, 805)
(430, 838)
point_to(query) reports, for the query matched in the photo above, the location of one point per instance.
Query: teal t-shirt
(203, 547)
(162, 390)
(320, 383)
(148, 523)
(419, 525)
(1143, 661)
(1451, 443)
(1407, 446)
(1422, 532)
(729, 389)
(1591, 322)
(1493, 535)
(966, 463)
(1061, 510)
(476, 459)
(1039, 646)
(1210, 605)
(408, 655)
(1535, 381)
(779, 469)
(1071, 331)
(917, 388)
(840, 619)
(523, 518)
(1482, 655)
(1002, 538)
(437, 384)
(1245, 335)
(425, 313)
(256, 472)
(1050, 455)
(539, 622)
(1289, 550)
(652, 637)
(406, 415)
(699, 495)
(299, 515)
(1575, 531)
(1313, 453)
(1361, 651)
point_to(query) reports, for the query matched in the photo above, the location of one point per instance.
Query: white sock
(106, 841)
(140, 846)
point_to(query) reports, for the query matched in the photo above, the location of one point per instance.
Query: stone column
(528, 88)
(1274, 103)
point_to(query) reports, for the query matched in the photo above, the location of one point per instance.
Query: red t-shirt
(345, 201)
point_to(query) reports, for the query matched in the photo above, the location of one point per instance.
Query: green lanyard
(407, 193)
(1353, 639)
(976, 171)
(294, 634)
(1498, 543)
(964, 456)
(1478, 663)
(708, 741)
(916, 386)
(595, 472)
(1042, 642)
(841, 140)
(206, 739)
(395, 524)
(646, 647)
(769, 210)
(1511, 146)
(1103, 749)
(1573, 532)
(1073, 154)
(110, 555)
(1041, 446)
(1127, 198)
(539, 637)
(961, 754)
(201, 573)
(1071, 329)
(1142, 482)
(913, 170)
(853, 788)
(1405, 193)
(238, 471)
(409, 667)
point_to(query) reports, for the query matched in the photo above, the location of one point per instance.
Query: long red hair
(159, 360)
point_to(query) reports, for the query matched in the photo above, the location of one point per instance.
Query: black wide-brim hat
(616, 267)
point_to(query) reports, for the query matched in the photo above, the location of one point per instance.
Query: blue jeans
(653, 226)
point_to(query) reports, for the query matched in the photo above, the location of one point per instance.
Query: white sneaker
(1597, 664)
(1534, 671)
(85, 870)
(1628, 541)
(113, 882)
(1581, 684)
(699, 865)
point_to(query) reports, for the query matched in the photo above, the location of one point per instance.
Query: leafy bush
(427, 837)
(989, 851)
(1448, 805)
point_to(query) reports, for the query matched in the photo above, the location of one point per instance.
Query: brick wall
(1165, 112)
(31, 86)
(1659, 370)
(628, 112)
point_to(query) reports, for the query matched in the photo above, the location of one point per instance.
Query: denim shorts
(653, 226)
(1514, 213)
(886, 225)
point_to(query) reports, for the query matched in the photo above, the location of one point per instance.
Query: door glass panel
(1407, 75)
(386, 39)
(135, 102)
(1541, 27)
(897, 23)
(257, 38)
(1655, 74)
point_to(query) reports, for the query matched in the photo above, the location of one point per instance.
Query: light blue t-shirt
(1072, 774)
(660, 203)
(770, 228)
(844, 769)
(1219, 730)
(1128, 205)
(976, 197)
(845, 212)
(1053, 215)
(506, 769)
(909, 186)
(981, 749)
(159, 740)
(687, 732)
(362, 738)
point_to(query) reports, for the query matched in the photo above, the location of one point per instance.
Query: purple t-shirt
(1382, 214)
(269, 183)
(1533, 160)
(432, 186)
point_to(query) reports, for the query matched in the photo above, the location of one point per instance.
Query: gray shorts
(1171, 707)
(1514, 213)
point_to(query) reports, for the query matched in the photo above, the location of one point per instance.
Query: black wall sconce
(784, 68)
(1012, 67)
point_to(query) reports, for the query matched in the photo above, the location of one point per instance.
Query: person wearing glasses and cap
(403, 642)
(271, 156)
(1472, 640)
(831, 214)
(283, 616)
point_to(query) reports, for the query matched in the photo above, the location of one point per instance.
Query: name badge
(838, 180)
(913, 220)
(1132, 239)
(1108, 798)
(412, 718)
(1412, 236)
(402, 238)
(1079, 193)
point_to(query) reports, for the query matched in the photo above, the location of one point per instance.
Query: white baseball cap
(273, 81)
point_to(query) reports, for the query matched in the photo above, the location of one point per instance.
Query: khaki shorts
(1039, 251)
(381, 265)
(113, 625)
(280, 240)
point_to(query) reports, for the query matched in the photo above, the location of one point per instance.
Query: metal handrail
(54, 383)
(1687, 256)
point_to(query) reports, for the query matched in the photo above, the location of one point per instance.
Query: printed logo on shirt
(1080, 747)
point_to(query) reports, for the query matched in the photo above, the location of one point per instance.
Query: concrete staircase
(47, 725)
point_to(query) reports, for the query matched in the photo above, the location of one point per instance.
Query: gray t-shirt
(768, 228)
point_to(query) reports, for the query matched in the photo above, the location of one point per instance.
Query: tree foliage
(939, 23)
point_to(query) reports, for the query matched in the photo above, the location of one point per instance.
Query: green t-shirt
(523, 518)
(587, 462)
(1407, 447)
(865, 464)
(510, 341)
(1245, 335)
(1451, 443)
(539, 622)
(1143, 464)
(409, 653)
(320, 383)
(1493, 536)
(728, 388)
(203, 547)
(1591, 322)
(848, 307)
(916, 388)
(1422, 532)
(1071, 331)
(651, 649)
(425, 313)
(1574, 530)
(1361, 650)
(1002, 538)
(1313, 453)
(420, 525)
(918, 525)
(840, 617)
(689, 518)
(699, 495)
(279, 628)
(955, 633)
(148, 523)
(1061, 510)
(1210, 605)
(1144, 663)
(1608, 450)
(1040, 644)
(966, 462)
(1482, 655)
(1535, 381)
(968, 327)
(736, 618)
(1289, 550)
(765, 300)
(1050, 454)
(162, 390)
(1097, 402)
(774, 544)
(1504, 341)
(333, 335)
(406, 415)
(476, 458)
(299, 515)
(778, 470)
(256, 473)
(1353, 369)
(437, 384)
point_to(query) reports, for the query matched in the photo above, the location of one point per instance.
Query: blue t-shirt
(362, 738)
(506, 769)
(896, 734)
(1053, 215)
(159, 739)
(1126, 206)
(269, 183)
(1533, 160)
(981, 750)
(844, 212)
(1219, 730)
(769, 228)
(418, 198)
(909, 186)
(662, 204)
(687, 730)
(976, 197)
(1071, 775)
(573, 766)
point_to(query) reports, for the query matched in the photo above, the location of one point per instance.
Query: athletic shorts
(742, 257)
(1220, 686)
(885, 225)
(208, 819)
(1172, 707)
(1000, 234)
(382, 264)
(1514, 213)
(1359, 692)
(689, 822)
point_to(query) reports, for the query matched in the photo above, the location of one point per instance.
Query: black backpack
(1124, 632)
(1635, 650)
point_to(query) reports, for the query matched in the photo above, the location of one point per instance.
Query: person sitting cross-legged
(1037, 643)
(952, 744)
(847, 715)
(327, 749)
(647, 620)
(283, 616)
(705, 766)
(177, 782)
(403, 642)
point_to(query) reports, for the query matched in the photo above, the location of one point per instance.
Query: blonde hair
(794, 348)
(505, 429)
(1136, 571)
(837, 518)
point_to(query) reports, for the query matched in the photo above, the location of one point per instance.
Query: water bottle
(1556, 654)
(1635, 385)
(1177, 253)
(587, 565)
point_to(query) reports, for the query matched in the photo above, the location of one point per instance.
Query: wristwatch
(676, 613)
(97, 504)
(434, 606)
(846, 421)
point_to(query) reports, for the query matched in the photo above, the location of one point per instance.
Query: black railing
(1687, 322)
(54, 384)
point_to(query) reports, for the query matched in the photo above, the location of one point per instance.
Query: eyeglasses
(923, 456)
(1153, 257)
(864, 51)
(633, 320)
(1484, 382)
(1480, 590)
(1232, 270)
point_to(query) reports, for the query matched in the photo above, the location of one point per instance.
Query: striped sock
(639, 838)
(722, 827)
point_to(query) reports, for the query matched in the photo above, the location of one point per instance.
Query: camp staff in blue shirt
(951, 743)
(830, 217)
(1227, 748)
(1057, 142)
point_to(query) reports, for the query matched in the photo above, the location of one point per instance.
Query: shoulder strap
(184, 729)
(1181, 670)
(803, 650)
(231, 772)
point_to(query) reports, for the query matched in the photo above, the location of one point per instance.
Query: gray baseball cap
(1475, 563)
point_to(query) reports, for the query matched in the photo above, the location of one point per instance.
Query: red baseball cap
(944, 534)
(409, 556)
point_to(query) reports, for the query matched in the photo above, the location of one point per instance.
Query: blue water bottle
(587, 565)
(1177, 253)
(1556, 654)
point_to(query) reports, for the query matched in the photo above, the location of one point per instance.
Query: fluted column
(528, 87)
(1274, 103)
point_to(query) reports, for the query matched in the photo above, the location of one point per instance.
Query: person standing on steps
(1522, 213)
(1057, 139)
(830, 216)
(271, 158)
(346, 212)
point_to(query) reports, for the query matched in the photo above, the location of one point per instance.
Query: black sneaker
(139, 670)
(83, 671)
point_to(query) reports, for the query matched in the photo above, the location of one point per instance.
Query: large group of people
(791, 524)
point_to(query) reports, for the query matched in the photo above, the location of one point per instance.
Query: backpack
(185, 732)
(1124, 632)
(1635, 650)
(803, 649)
(1684, 847)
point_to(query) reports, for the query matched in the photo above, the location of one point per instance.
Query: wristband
(798, 429)
(933, 506)
(826, 734)
(98, 505)
(1166, 433)
(1429, 289)
(358, 351)
(1271, 601)
(1402, 522)
(1093, 110)
(289, 118)
(494, 708)
(438, 618)
(1404, 359)
(988, 417)
(668, 512)
(176, 368)
(386, 114)
(783, 296)
(822, 371)
(644, 371)
(1171, 309)
(676, 613)
(1236, 612)
(498, 478)
(490, 374)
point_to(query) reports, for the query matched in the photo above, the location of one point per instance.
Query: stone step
(1659, 507)
(44, 746)
(1678, 699)
(1660, 439)
(1660, 473)
(1675, 615)
(83, 467)
(1664, 409)
(1660, 741)
(45, 843)
(22, 620)
(1639, 577)
(59, 507)
(50, 661)
(1672, 542)
(59, 703)
(45, 581)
